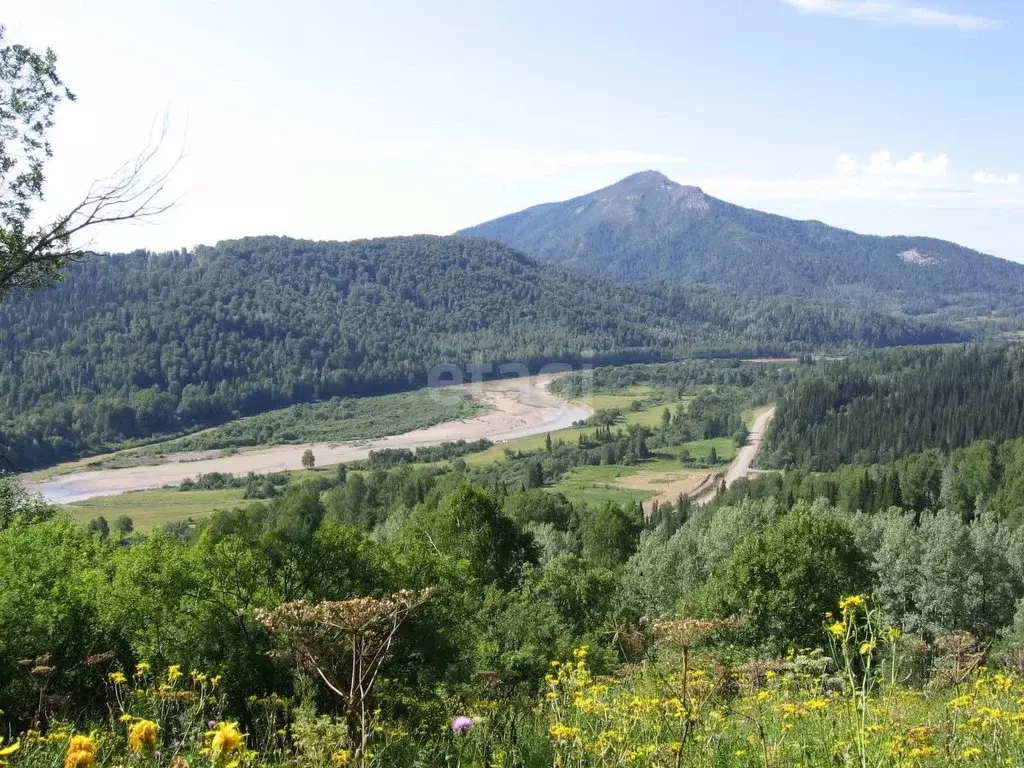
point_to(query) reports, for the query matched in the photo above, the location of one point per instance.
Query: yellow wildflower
(173, 673)
(7, 751)
(850, 602)
(867, 647)
(641, 753)
(118, 678)
(81, 752)
(142, 737)
(142, 669)
(837, 629)
(226, 740)
(972, 752)
(341, 757)
(563, 732)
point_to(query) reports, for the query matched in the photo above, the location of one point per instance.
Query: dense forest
(649, 228)
(882, 406)
(142, 345)
(760, 381)
(984, 477)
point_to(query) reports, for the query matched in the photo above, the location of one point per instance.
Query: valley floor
(516, 408)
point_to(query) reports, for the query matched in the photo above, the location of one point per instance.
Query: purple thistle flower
(212, 724)
(462, 723)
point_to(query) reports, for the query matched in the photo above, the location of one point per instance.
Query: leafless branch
(135, 192)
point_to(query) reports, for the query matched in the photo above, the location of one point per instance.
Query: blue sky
(358, 119)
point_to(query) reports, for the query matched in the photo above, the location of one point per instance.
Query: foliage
(782, 579)
(468, 523)
(19, 506)
(30, 90)
(884, 406)
(390, 457)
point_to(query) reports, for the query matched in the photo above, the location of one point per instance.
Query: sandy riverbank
(517, 408)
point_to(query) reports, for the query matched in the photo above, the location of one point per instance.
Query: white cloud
(915, 179)
(994, 179)
(522, 164)
(882, 172)
(893, 13)
(881, 165)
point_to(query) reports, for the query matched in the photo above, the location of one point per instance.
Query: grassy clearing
(649, 416)
(151, 509)
(620, 398)
(701, 449)
(594, 486)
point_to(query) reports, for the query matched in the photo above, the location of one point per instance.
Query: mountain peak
(648, 227)
(655, 181)
(649, 177)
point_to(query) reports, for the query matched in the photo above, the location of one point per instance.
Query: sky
(336, 119)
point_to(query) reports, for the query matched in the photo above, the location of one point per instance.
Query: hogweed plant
(344, 644)
(686, 634)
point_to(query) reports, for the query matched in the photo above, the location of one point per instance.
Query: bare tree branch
(134, 193)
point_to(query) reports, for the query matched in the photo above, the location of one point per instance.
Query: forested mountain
(887, 405)
(132, 346)
(647, 227)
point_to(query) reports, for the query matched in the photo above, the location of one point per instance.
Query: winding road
(741, 466)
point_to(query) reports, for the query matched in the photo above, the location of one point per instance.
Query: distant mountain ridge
(647, 227)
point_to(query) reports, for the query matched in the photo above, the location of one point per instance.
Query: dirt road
(740, 467)
(517, 408)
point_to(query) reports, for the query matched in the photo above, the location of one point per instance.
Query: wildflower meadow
(873, 698)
